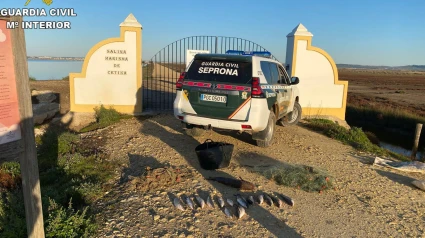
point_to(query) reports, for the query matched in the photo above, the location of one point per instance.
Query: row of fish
(241, 203)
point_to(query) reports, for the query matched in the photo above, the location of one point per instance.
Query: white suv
(240, 91)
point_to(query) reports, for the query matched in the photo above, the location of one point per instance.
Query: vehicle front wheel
(266, 136)
(293, 117)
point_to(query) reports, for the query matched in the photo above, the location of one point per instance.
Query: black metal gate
(162, 71)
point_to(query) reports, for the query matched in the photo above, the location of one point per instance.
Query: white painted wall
(289, 54)
(101, 88)
(317, 88)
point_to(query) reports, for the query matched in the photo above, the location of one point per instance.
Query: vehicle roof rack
(265, 54)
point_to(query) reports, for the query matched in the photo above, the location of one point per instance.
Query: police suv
(240, 91)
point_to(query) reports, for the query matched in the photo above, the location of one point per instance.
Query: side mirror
(295, 80)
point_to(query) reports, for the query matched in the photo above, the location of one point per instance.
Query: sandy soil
(368, 202)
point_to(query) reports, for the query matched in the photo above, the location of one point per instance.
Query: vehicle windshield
(220, 71)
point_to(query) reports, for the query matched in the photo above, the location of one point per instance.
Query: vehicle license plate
(213, 98)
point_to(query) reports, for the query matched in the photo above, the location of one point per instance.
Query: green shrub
(105, 115)
(12, 214)
(104, 118)
(12, 168)
(66, 78)
(67, 142)
(53, 143)
(354, 137)
(68, 223)
(65, 175)
(32, 78)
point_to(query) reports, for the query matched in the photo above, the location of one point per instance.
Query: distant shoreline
(339, 66)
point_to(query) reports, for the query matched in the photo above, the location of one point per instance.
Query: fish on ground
(230, 202)
(287, 200)
(227, 212)
(200, 201)
(277, 201)
(268, 199)
(210, 202)
(236, 183)
(260, 199)
(177, 204)
(251, 200)
(189, 202)
(241, 212)
(220, 202)
(241, 201)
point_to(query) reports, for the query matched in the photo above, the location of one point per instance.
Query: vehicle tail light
(256, 91)
(179, 83)
(246, 127)
(180, 117)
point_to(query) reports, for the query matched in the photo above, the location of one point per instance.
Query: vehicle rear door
(219, 87)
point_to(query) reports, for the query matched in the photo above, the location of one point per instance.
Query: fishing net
(303, 177)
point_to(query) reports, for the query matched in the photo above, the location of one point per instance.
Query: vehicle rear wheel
(193, 131)
(293, 117)
(267, 134)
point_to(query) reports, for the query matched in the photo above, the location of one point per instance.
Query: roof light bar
(256, 53)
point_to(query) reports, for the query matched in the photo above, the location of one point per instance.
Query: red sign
(9, 108)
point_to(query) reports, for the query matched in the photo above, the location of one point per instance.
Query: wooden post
(416, 141)
(28, 158)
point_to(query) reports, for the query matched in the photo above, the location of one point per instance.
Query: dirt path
(369, 201)
(163, 79)
(162, 71)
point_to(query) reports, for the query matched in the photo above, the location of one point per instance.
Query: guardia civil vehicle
(239, 91)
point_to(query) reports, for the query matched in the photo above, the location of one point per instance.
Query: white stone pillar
(321, 93)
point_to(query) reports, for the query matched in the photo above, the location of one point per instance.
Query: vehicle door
(269, 90)
(280, 89)
(286, 83)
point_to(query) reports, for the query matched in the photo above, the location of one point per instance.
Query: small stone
(156, 217)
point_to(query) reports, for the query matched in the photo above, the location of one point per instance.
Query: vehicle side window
(266, 71)
(284, 75)
(275, 73)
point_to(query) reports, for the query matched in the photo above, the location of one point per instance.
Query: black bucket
(214, 155)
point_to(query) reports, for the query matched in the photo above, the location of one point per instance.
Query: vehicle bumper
(257, 118)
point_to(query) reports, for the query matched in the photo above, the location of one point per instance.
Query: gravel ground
(368, 201)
